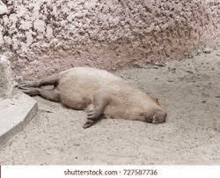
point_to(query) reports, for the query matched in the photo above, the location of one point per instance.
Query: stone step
(15, 113)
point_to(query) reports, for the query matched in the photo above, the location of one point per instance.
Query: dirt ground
(190, 91)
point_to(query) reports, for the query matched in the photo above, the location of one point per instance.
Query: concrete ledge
(15, 113)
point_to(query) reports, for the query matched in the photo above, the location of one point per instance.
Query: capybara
(100, 93)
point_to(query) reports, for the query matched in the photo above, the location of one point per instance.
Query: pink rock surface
(109, 34)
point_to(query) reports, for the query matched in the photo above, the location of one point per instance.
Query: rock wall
(49, 36)
(6, 81)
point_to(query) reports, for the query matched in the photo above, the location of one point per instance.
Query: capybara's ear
(153, 97)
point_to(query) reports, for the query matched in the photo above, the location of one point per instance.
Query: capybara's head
(157, 117)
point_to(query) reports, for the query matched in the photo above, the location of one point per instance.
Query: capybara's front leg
(93, 116)
(89, 123)
(95, 113)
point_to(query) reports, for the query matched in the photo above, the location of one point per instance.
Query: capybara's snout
(159, 117)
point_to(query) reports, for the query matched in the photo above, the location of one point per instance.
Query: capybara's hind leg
(52, 95)
(30, 91)
(29, 84)
(52, 80)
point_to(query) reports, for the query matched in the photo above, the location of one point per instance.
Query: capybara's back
(85, 74)
(78, 85)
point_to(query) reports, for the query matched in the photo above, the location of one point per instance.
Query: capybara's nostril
(159, 118)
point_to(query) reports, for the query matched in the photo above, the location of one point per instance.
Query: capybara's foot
(29, 84)
(94, 114)
(89, 123)
(30, 91)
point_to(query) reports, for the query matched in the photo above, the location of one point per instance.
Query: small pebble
(207, 50)
(199, 52)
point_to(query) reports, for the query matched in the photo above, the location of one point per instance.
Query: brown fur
(87, 88)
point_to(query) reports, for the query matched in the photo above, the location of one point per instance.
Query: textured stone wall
(49, 36)
(6, 81)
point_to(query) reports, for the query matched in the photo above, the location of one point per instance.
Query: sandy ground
(190, 91)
